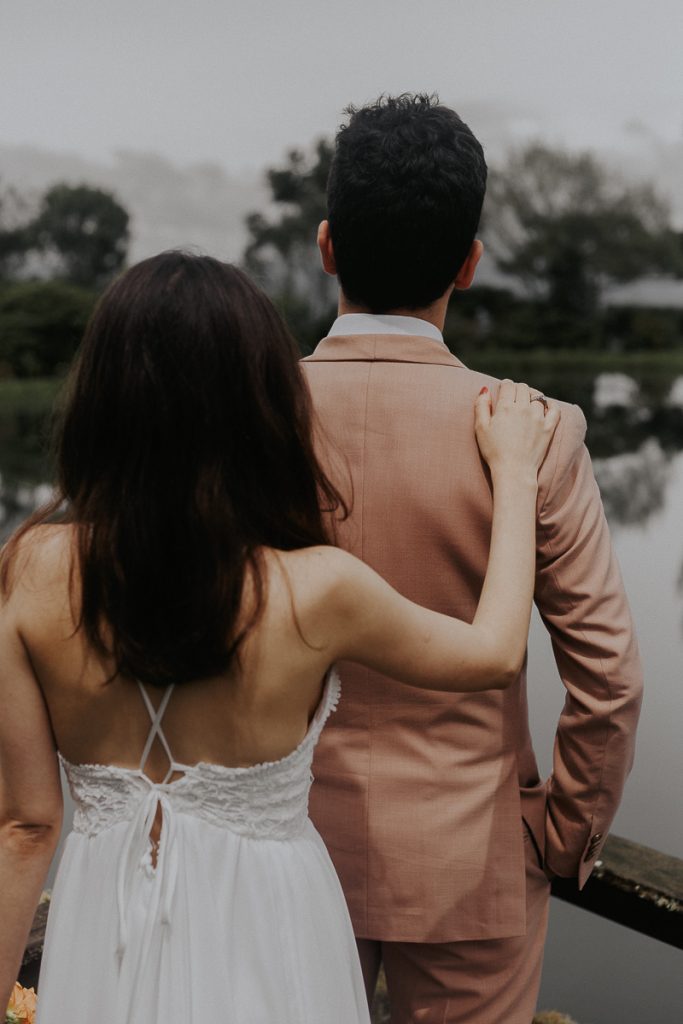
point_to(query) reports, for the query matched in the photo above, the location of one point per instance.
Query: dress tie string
(136, 853)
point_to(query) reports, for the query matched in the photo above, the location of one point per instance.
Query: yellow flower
(22, 1006)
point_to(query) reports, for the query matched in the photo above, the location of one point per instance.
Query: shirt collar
(384, 323)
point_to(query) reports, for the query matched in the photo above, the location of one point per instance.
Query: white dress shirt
(384, 323)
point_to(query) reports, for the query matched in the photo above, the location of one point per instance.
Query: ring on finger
(542, 399)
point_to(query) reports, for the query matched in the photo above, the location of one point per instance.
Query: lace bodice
(263, 801)
(268, 800)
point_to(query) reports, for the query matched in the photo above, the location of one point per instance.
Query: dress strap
(156, 729)
(328, 704)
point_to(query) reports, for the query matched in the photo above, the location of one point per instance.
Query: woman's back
(258, 711)
(179, 882)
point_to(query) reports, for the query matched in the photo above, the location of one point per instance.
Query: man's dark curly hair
(404, 198)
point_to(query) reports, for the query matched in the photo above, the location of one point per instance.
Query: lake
(596, 971)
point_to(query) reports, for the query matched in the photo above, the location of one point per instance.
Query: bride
(169, 626)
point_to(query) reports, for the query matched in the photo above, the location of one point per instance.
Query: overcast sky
(238, 81)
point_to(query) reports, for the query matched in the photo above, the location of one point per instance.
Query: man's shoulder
(454, 378)
(572, 419)
(568, 443)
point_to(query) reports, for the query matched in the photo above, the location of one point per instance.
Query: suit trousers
(491, 981)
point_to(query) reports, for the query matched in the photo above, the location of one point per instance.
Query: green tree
(566, 228)
(84, 233)
(15, 238)
(282, 252)
(41, 325)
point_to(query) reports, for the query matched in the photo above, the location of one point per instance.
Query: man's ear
(326, 249)
(465, 275)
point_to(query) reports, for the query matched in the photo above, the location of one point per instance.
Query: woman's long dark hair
(184, 448)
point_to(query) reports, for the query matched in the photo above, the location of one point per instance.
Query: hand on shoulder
(514, 437)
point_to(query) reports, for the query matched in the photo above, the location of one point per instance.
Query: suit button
(596, 838)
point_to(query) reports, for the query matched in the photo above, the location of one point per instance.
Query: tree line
(560, 226)
(53, 264)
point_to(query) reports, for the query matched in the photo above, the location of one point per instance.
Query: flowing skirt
(256, 931)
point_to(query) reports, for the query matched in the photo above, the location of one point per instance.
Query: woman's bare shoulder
(39, 559)
(315, 570)
(330, 587)
(303, 595)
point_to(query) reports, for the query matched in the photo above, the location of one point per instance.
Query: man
(442, 832)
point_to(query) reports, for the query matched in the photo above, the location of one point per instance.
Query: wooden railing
(635, 886)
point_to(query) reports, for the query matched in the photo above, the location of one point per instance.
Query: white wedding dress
(241, 920)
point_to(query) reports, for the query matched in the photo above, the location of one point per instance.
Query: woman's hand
(515, 438)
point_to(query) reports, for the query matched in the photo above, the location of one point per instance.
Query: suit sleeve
(581, 599)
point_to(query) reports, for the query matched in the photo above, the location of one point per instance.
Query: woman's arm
(383, 630)
(30, 795)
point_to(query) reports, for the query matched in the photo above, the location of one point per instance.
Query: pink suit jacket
(420, 796)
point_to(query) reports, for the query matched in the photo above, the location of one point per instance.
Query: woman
(183, 572)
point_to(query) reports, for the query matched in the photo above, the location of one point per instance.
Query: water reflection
(633, 484)
(614, 391)
(639, 434)
(17, 501)
(24, 465)
(675, 396)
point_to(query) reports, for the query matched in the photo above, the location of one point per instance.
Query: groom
(431, 805)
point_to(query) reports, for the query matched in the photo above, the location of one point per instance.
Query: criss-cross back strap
(156, 730)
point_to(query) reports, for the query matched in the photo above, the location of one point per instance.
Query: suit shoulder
(566, 451)
(572, 417)
(567, 446)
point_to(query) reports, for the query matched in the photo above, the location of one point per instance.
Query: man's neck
(434, 314)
